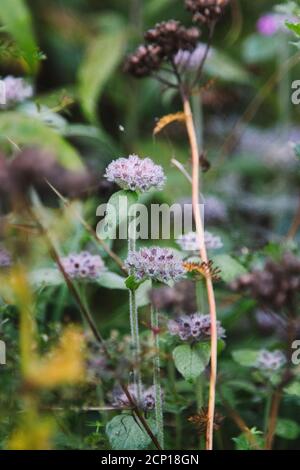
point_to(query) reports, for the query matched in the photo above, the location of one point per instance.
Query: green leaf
(257, 48)
(243, 442)
(230, 268)
(287, 429)
(191, 360)
(295, 27)
(45, 277)
(142, 294)
(16, 18)
(224, 67)
(245, 357)
(102, 58)
(293, 389)
(24, 130)
(111, 281)
(117, 213)
(124, 433)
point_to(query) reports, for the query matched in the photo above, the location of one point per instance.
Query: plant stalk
(156, 378)
(204, 257)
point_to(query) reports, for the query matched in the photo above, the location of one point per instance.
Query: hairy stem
(156, 378)
(134, 328)
(203, 254)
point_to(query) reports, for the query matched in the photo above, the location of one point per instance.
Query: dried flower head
(144, 61)
(171, 36)
(16, 90)
(206, 11)
(147, 403)
(195, 327)
(274, 287)
(200, 420)
(270, 361)
(203, 269)
(5, 258)
(190, 242)
(159, 264)
(83, 265)
(136, 174)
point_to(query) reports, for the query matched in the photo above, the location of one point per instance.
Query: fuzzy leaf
(112, 281)
(124, 433)
(191, 360)
(245, 357)
(230, 268)
(287, 429)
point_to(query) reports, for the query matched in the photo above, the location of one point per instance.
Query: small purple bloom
(270, 361)
(147, 403)
(5, 258)
(16, 90)
(83, 265)
(136, 174)
(159, 264)
(267, 25)
(194, 327)
(191, 60)
(190, 243)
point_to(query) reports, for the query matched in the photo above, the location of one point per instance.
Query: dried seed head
(159, 264)
(136, 174)
(206, 11)
(171, 36)
(144, 61)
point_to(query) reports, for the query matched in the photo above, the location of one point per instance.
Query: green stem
(200, 296)
(267, 409)
(134, 327)
(156, 378)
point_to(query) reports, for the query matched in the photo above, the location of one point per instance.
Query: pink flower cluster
(83, 265)
(190, 243)
(159, 264)
(194, 327)
(136, 174)
(270, 361)
(16, 90)
(5, 258)
(120, 399)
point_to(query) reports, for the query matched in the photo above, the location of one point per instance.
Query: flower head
(190, 243)
(147, 403)
(272, 23)
(159, 264)
(16, 90)
(206, 11)
(136, 174)
(214, 210)
(5, 258)
(189, 61)
(270, 361)
(83, 265)
(194, 327)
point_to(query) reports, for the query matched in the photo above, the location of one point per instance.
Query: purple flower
(194, 327)
(136, 174)
(190, 243)
(271, 23)
(5, 258)
(270, 361)
(191, 60)
(16, 90)
(147, 403)
(159, 264)
(83, 265)
(214, 210)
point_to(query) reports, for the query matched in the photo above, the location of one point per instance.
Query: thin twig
(272, 422)
(181, 168)
(203, 253)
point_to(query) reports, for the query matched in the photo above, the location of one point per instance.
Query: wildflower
(172, 36)
(274, 287)
(159, 264)
(16, 90)
(190, 61)
(83, 265)
(147, 402)
(206, 11)
(194, 327)
(270, 361)
(272, 23)
(190, 243)
(136, 174)
(5, 258)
